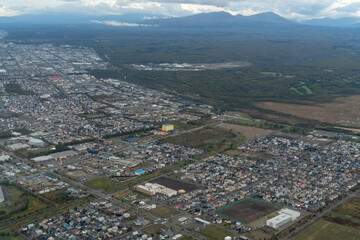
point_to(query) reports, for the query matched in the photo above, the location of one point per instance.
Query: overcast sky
(295, 9)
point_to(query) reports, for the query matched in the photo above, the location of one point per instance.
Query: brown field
(343, 110)
(248, 210)
(248, 132)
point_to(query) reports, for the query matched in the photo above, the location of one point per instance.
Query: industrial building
(167, 127)
(154, 188)
(2, 197)
(285, 216)
(34, 142)
(278, 221)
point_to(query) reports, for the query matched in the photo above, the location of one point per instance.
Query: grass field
(58, 196)
(103, 184)
(163, 211)
(215, 232)
(153, 229)
(21, 204)
(325, 230)
(249, 132)
(211, 139)
(348, 214)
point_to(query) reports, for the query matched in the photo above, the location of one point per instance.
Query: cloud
(123, 24)
(298, 9)
(6, 12)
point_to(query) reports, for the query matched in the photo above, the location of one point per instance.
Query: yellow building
(167, 127)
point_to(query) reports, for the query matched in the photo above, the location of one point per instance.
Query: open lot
(153, 229)
(215, 232)
(325, 230)
(174, 184)
(103, 184)
(247, 210)
(21, 204)
(211, 139)
(343, 110)
(163, 211)
(348, 214)
(249, 132)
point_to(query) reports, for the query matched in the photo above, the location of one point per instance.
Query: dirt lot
(174, 184)
(344, 110)
(249, 132)
(248, 210)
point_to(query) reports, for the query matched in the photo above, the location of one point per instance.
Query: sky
(292, 9)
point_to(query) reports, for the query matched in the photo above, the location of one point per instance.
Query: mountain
(221, 20)
(349, 22)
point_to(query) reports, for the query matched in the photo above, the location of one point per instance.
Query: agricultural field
(248, 210)
(348, 214)
(21, 204)
(325, 230)
(163, 211)
(174, 184)
(342, 111)
(215, 232)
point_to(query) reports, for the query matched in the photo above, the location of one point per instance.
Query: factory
(285, 216)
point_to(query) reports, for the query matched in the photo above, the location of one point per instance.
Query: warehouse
(63, 155)
(33, 142)
(2, 197)
(293, 214)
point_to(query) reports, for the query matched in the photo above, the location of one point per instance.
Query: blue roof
(106, 156)
(167, 124)
(140, 171)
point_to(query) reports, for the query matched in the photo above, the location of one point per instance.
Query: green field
(348, 214)
(215, 232)
(154, 229)
(325, 230)
(163, 211)
(58, 196)
(22, 204)
(103, 184)
(211, 139)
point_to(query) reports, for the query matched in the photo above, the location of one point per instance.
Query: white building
(279, 220)
(34, 142)
(17, 146)
(294, 214)
(168, 192)
(2, 197)
(4, 158)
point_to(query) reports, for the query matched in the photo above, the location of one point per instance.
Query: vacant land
(348, 214)
(174, 184)
(210, 139)
(215, 232)
(163, 211)
(122, 194)
(325, 230)
(247, 210)
(21, 204)
(249, 132)
(154, 229)
(103, 183)
(58, 196)
(343, 111)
